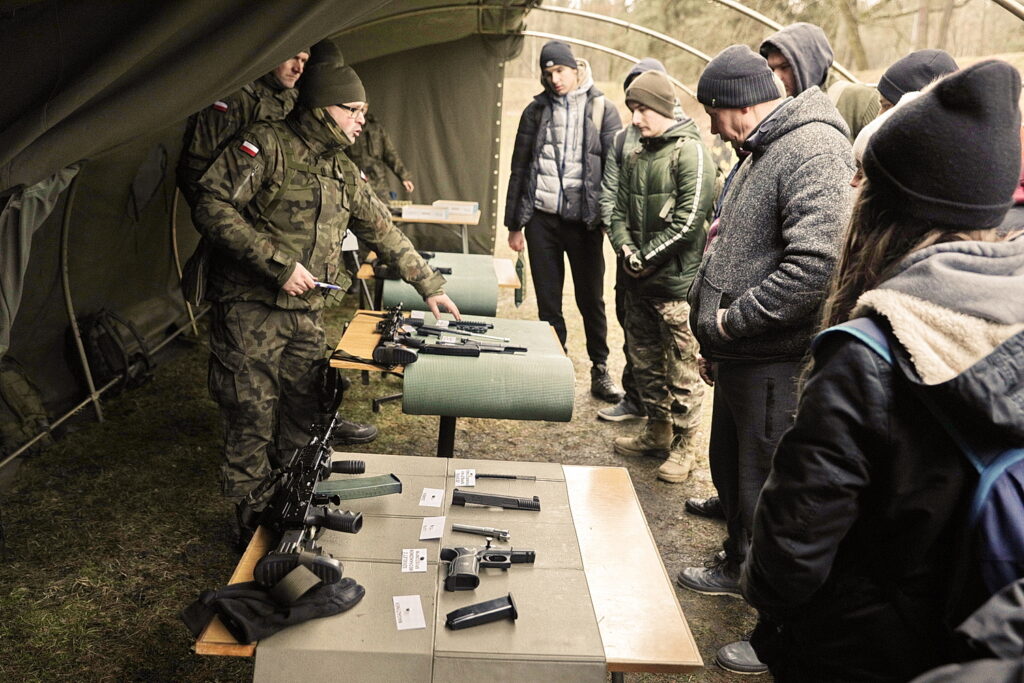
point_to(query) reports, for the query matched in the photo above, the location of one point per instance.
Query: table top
(360, 339)
(641, 623)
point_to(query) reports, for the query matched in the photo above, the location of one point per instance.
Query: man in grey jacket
(563, 138)
(755, 300)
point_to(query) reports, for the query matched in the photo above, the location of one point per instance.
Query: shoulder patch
(220, 106)
(249, 148)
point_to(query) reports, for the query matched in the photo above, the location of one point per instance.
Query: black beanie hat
(653, 90)
(327, 80)
(953, 154)
(737, 77)
(555, 53)
(914, 72)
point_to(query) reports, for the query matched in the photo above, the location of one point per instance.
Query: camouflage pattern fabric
(263, 376)
(210, 130)
(374, 153)
(664, 356)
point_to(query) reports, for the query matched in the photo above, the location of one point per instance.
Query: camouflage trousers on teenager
(263, 375)
(663, 352)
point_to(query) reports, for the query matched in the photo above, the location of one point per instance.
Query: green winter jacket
(664, 200)
(260, 231)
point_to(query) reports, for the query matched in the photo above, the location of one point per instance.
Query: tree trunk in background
(947, 16)
(848, 13)
(920, 35)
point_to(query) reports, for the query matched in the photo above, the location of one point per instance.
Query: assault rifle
(398, 346)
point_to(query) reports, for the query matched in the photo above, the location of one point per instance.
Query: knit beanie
(326, 80)
(653, 90)
(556, 53)
(645, 64)
(737, 77)
(914, 72)
(953, 154)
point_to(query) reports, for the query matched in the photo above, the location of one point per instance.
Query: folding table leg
(446, 437)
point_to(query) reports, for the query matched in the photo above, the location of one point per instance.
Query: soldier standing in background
(375, 154)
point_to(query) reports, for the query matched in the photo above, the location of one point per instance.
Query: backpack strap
(618, 143)
(597, 113)
(289, 170)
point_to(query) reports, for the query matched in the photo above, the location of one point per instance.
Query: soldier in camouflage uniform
(276, 205)
(268, 98)
(374, 153)
(665, 195)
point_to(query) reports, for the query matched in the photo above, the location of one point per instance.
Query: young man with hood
(857, 537)
(659, 227)
(275, 205)
(553, 191)
(800, 55)
(755, 299)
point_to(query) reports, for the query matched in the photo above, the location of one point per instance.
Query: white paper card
(414, 559)
(431, 498)
(465, 477)
(408, 612)
(433, 527)
(416, 315)
(441, 323)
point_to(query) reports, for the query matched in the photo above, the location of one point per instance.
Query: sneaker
(710, 507)
(740, 658)
(623, 411)
(347, 433)
(720, 577)
(602, 386)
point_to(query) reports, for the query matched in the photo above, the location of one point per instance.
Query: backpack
(994, 527)
(116, 350)
(22, 413)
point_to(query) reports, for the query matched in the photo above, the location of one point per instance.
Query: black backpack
(115, 349)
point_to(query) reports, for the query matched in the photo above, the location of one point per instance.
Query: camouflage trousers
(663, 353)
(263, 375)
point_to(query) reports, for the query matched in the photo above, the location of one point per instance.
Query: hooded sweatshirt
(806, 49)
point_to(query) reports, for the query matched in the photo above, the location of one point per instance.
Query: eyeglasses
(354, 112)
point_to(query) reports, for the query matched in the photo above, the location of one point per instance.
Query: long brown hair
(879, 237)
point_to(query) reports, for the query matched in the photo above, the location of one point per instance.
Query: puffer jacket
(855, 534)
(778, 236)
(665, 196)
(520, 200)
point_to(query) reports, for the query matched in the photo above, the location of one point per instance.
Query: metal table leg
(446, 437)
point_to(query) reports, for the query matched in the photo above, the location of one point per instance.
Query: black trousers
(754, 404)
(551, 239)
(628, 383)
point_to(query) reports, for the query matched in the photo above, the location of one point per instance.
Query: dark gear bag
(22, 415)
(115, 348)
(992, 555)
(251, 613)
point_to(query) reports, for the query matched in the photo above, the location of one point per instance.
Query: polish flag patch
(249, 148)
(220, 106)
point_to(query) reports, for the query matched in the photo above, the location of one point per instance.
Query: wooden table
(641, 623)
(463, 221)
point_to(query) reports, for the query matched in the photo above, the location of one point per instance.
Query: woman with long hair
(855, 536)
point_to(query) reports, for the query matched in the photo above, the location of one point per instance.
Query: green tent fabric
(472, 285)
(537, 385)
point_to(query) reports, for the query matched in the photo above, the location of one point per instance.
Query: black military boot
(347, 433)
(602, 386)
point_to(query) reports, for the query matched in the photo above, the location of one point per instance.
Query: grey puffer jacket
(523, 183)
(778, 236)
(560, 165)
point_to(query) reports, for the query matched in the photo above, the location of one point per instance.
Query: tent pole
(1013, 7)
(65, 278)
(177, 257)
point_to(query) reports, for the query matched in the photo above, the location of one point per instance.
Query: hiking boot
(654, 440)
(710, 507)
(623, 411)
(602, 386)
(677, 466)
(717, 578)
(347, 433)
(740, 658)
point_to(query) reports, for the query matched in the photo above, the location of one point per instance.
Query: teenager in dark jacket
(553, 197)
(851, 562)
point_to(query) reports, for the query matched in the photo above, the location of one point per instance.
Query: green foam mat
(536, 385)
(472, 285)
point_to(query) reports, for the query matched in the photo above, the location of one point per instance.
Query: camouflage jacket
(374, 153)
(210, 130)
(284, 192)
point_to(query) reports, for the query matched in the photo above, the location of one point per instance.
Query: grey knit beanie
(653, 90)
(737, 77)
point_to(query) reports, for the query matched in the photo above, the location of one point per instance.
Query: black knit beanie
(556, 53)
(653, 90)
(914, 72)
(326, 80)
(953, 154)
(737, 77)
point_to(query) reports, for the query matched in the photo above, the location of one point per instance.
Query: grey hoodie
(807, 50)
(778, 236)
